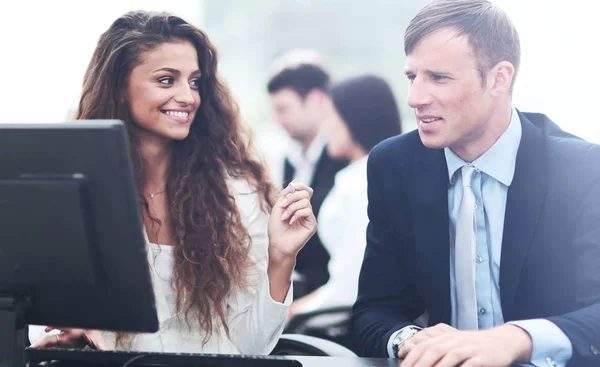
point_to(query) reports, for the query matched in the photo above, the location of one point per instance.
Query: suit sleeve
(582, 326)
(387, 298)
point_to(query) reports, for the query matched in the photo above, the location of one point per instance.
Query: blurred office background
(46, 46)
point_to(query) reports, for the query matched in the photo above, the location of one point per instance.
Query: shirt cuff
(390, 347)
(288, 297)
(551, 347)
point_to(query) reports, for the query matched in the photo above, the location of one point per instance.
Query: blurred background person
(299, 94)
(273, 139)
(365, 112)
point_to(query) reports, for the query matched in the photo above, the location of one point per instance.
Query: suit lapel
(320, 167)
(523, 206)
(432, 231)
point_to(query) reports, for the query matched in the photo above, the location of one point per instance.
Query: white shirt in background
(343, 223)
(305, 162)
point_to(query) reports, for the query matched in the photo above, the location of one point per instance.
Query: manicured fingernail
(284, 215)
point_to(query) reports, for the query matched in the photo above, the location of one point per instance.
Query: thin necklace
(156, 193)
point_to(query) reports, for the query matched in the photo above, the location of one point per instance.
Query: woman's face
(162, 92)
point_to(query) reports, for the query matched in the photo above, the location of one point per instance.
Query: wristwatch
(403, 336)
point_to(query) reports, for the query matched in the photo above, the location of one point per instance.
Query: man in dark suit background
(299, 91)
(486, 219)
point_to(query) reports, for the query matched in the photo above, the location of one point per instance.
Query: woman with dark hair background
(365, 113)
(221, 266)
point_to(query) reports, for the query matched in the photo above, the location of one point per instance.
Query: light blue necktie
(464, 247)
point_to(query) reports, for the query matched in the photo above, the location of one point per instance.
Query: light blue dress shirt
(490, 182)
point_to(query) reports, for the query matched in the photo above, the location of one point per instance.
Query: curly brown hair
(212, 245)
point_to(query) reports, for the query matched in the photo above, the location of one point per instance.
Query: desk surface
(351, 362)
(345, 362)
(306, 362)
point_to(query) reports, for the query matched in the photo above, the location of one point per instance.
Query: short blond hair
(490, 32)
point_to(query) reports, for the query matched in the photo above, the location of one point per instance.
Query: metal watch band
(399, 343)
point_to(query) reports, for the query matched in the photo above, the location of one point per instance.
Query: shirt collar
(311, 155)
(499, 161)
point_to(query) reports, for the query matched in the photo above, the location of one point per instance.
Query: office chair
(331, 324)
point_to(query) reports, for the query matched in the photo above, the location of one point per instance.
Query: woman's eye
(166, 81)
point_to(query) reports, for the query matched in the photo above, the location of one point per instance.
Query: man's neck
(490, 133)
(307, 142)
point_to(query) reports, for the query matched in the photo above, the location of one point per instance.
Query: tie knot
(467, 173)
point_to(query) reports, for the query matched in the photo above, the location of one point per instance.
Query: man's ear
(501, 77)
(316, 97)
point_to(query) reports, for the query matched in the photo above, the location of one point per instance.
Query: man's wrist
(521, 340)
(404, 335)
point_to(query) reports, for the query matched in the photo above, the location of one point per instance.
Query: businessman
(486, 219)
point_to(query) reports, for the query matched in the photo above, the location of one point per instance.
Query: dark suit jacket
(550, 262)
(312, 260)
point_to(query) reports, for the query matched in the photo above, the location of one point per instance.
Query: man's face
(451, 105)
(296, 115)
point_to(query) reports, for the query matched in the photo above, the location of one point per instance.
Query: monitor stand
(12, 331)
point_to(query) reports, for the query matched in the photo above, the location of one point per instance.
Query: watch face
(397, 339)
(406, 333)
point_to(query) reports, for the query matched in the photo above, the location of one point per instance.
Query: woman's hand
(72, 338)
(292, 221)
(291, 225)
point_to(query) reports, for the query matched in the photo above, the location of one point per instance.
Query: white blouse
(255, 320)
(343, 223)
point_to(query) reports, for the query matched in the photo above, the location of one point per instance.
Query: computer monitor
(72, 250)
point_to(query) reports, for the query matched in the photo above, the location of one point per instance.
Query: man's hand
(497, 347)
(423, 335)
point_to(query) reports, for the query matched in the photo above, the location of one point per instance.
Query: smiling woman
(164, 99)
(221, 266)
